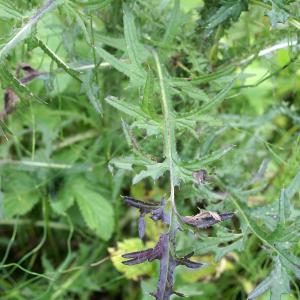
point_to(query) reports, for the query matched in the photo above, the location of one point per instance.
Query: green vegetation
(193, 101)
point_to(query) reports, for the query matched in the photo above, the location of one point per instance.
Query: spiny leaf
(277, 282)
(209, 158)
(128, 108)
(229, 10)
(135, 50)
(134, 144)
(284, 208)
(127, 69)
(25, 30)
(154, 171)
(173, 24)
(290, 260)
(219, 98)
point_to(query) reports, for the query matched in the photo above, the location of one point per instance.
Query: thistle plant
(166, 210)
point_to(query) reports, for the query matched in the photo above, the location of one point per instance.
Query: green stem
(169, 130)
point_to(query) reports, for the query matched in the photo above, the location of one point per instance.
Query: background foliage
(88, 128)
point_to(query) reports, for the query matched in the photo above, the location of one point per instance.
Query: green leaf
(148, 97)
(154, 171)
(117, 43)
(293, 187)
(92, 91)
(65, 198)
(277, 282)
(277, 14)
(174, 23)
(60, 63)
(20, 195)
(96, 211)
(23, 32)
(205, 78)
(143, 120)
(217, 100)
(197, 164)
(8, 11)
(127, 69)
(218, 245)
(229, 10)
(136, 51)
(284, 208)
(289, 260)
(128, 108)
(188, 88)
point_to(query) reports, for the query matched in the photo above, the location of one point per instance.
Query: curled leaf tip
(206, 219)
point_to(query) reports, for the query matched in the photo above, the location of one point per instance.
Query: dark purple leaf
(157, 211)
(146, 255)
(188, 263)
(206, 219)
(145, 206)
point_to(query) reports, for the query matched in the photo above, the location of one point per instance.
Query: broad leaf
(96, 211)
(20, 195)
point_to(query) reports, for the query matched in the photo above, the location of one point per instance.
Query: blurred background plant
(72, 70)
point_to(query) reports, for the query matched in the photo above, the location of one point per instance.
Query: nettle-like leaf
(21, 194)
(96, 211)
